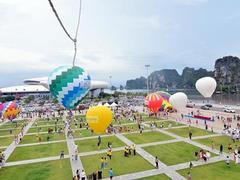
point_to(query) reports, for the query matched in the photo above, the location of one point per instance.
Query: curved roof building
(40, 85)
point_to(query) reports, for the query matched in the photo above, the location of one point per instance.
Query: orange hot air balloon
(154, 102)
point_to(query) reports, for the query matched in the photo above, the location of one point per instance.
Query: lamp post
(110, 78)
(147, 66)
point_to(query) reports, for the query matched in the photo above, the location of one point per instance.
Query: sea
(194, 95)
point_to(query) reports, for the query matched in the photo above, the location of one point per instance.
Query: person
(109, 144)
(99, 174)
(94, 176)
(190, 165)
(229, 147)
(134, 149)
(109, 154)
(105, 162)
(110, 173)
(228, 161)
(78, 173)
(189, 177)
(62, 154)
(212, 145)
(102, 163)
(156, 162)
(76, 153)
(190, 135)
(221, 149)
(83, 175)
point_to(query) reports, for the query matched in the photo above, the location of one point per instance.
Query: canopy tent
(106, 104)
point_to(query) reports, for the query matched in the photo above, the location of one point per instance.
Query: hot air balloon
(99, 118)
(69, 84)
(206, 86)
(178, 100)
(11, 110)
(166, 105)
(164, 95)
(2, 107)
(154, 102)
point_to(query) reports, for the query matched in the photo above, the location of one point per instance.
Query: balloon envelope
(164, 95)
(11, 110)
(154, 102)
(69, 85)
(178, 100)
(206, 86)
(99, 118)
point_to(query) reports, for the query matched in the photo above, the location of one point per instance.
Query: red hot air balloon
(154, 102)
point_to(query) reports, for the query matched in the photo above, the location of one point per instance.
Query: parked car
(229, 110)
(209, 105)
(205, 107)
(190, 105)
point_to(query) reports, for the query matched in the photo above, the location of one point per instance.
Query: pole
(147, 66)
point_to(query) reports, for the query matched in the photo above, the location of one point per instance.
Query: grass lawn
(146, 118)
(157, 177)
(214, 171)
(84, 133)
(168, 124)
(91, 144)
(51, 170)
(6, 141)
(217, 141)
(42, 129)
(147, 137)
(121, 121)
(34, 138)
(51, 122)
(120, 164)
(10, 125)
(128, 128)
(6, 132)
(173, 153)
(37, 151)
(184, 132)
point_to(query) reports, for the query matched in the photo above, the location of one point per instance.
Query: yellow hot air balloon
(99, 118)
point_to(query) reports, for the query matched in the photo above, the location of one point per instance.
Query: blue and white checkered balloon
(69, 84)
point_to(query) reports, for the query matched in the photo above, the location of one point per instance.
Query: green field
(37, 151)
(168, 124)
(217, 141)
(43, 129)
(6, 141)
(27, 139)
(6, 132)
(173, 153)
(184, 132)
(215, 171)
(84, 133)
(51, 170)
(91, 144)
(120, 164)
(147, 137)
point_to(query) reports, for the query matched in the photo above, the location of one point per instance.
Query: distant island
(226, 72)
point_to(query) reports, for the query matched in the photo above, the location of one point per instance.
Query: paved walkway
(149, 158)
(75, 163)
(168, 170)
(34, 160)
(13, 145)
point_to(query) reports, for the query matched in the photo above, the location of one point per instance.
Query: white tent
(114, 104)
(99, 104)
(106, 104)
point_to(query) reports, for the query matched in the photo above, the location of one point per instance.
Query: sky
(116, 37)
